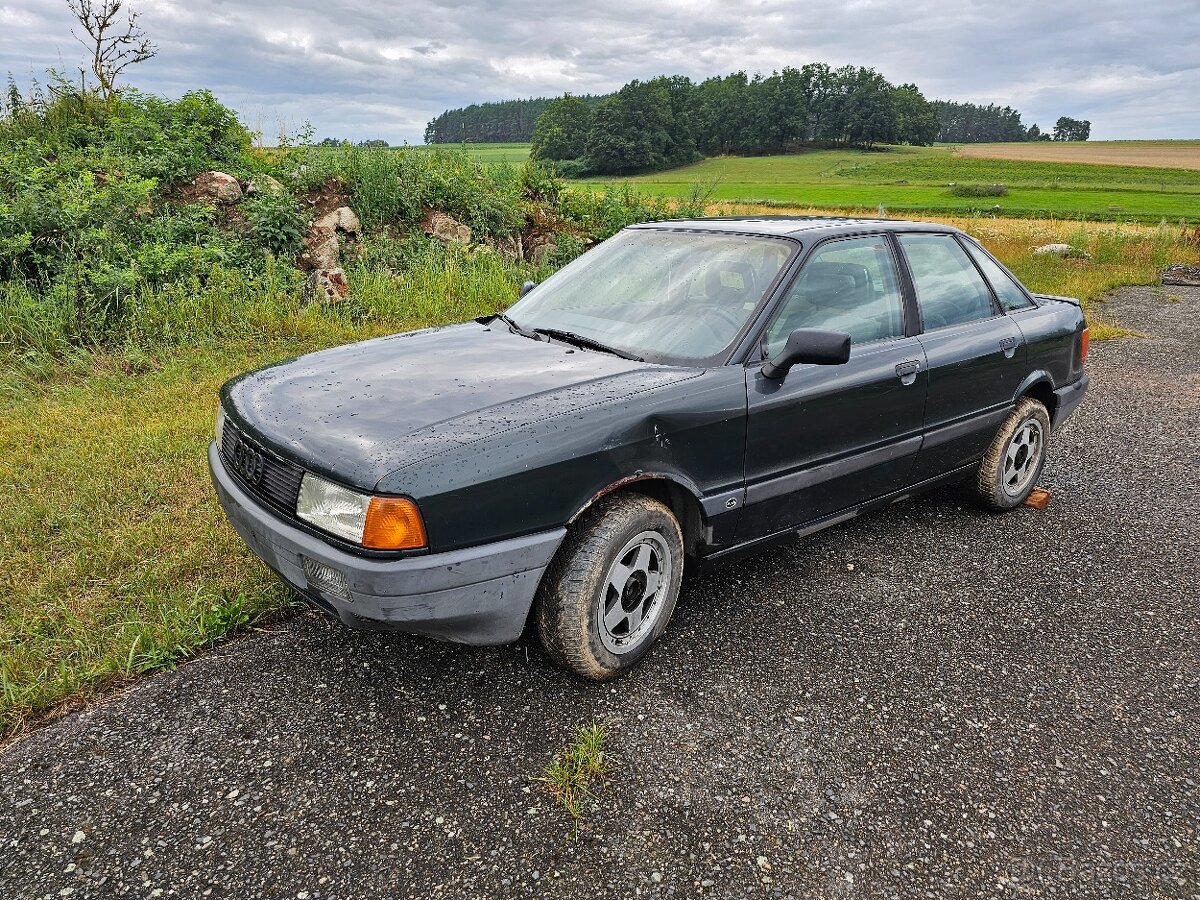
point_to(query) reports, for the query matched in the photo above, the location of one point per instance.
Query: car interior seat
(730, 283)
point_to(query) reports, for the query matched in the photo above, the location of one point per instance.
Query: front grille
(264, 474)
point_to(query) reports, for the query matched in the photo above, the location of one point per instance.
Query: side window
(848, 285)
(950, 290)
(1011, 297)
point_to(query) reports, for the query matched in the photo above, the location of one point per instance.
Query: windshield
(656, 294)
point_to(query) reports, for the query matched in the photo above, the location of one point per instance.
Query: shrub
(978, 190)
(99, 244)
(276, 224)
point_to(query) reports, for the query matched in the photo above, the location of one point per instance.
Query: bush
(87, 218)
(571, 168)
(978, 190)
(101, 245)
(276, 224)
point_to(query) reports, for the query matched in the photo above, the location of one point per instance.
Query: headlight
(219, 427)
(380, 523)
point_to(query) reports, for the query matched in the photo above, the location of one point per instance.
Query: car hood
(356, 413)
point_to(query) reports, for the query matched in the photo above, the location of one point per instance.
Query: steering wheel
(722, 313)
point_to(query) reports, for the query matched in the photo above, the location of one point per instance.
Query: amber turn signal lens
(393, 523)
(1083, 345)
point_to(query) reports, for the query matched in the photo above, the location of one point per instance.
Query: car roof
(794, 226)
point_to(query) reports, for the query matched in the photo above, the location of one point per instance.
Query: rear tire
(1013, 463)
(612, 586)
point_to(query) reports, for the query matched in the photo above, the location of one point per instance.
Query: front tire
(611, 589)
(1011, 467)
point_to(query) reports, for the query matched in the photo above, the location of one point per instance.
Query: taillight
(1083, 345)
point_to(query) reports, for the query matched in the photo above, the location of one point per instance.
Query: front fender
(542, 474)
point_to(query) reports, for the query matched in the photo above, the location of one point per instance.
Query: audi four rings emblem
(248, 462)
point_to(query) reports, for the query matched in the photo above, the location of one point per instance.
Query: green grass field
(513, 153)
(917, 180)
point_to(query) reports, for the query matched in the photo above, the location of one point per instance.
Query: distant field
(514, 153)
(1142, 181)
(1154, 154)
(917, 179)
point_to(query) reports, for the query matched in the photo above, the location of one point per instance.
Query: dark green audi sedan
(684, 393)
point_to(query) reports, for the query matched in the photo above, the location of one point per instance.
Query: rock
(538, 245)
(1066, 251)
(510, 247)
(322, 246)
(544, 252)
(326, 286)
(446, 228)
(321, 249)
(1182, 275)
(217, 187)
(340, 219)
(263, 184)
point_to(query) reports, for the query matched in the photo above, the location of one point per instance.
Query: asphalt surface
(928, 702)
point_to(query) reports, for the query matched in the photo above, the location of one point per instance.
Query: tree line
(507, 121)
(670, 120)
(970, 123)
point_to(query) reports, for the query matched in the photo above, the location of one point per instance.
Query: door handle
(908, 370)
(1009, 346)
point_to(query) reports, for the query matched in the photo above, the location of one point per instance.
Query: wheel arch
(674, 492)
(1039, 386)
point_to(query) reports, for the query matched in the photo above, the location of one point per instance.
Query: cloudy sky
(383, 68)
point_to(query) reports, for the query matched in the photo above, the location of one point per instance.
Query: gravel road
(928, 702)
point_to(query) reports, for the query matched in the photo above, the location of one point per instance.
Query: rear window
(1010, 295)
(950, 290)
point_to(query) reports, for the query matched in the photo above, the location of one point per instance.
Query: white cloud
(361, 68)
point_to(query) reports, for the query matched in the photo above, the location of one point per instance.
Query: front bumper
(480, 595)
(1069, 397)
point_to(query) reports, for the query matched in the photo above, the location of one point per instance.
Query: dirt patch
(1153, 154)
(328, 197)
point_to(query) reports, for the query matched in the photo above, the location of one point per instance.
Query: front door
(825, 438)
(976, 354)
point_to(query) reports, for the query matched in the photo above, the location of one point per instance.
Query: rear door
(976, 354)
(829, 437)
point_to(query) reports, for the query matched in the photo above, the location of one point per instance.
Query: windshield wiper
(579, 340)
(514, 327)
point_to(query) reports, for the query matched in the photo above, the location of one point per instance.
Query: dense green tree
(722, 115)
(1068, 129)
(511, 120)
(667, 121)
(634, 130)
(916, 119)
(969, 123)
(866, 114)
(561, 130)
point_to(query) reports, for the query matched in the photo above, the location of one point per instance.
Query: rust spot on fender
(616, 485)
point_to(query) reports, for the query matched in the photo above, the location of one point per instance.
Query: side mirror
(809, 345)
(527, 287)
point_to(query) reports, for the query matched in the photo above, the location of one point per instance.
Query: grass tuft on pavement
(570, 777)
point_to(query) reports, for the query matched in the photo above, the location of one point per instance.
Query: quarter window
(1010, 296)
(950, 290)
(848, 285)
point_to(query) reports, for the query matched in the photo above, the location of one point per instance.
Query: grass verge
(115, 557)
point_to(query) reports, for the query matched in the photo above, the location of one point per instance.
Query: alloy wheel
(1022, 457)
(633, 592)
